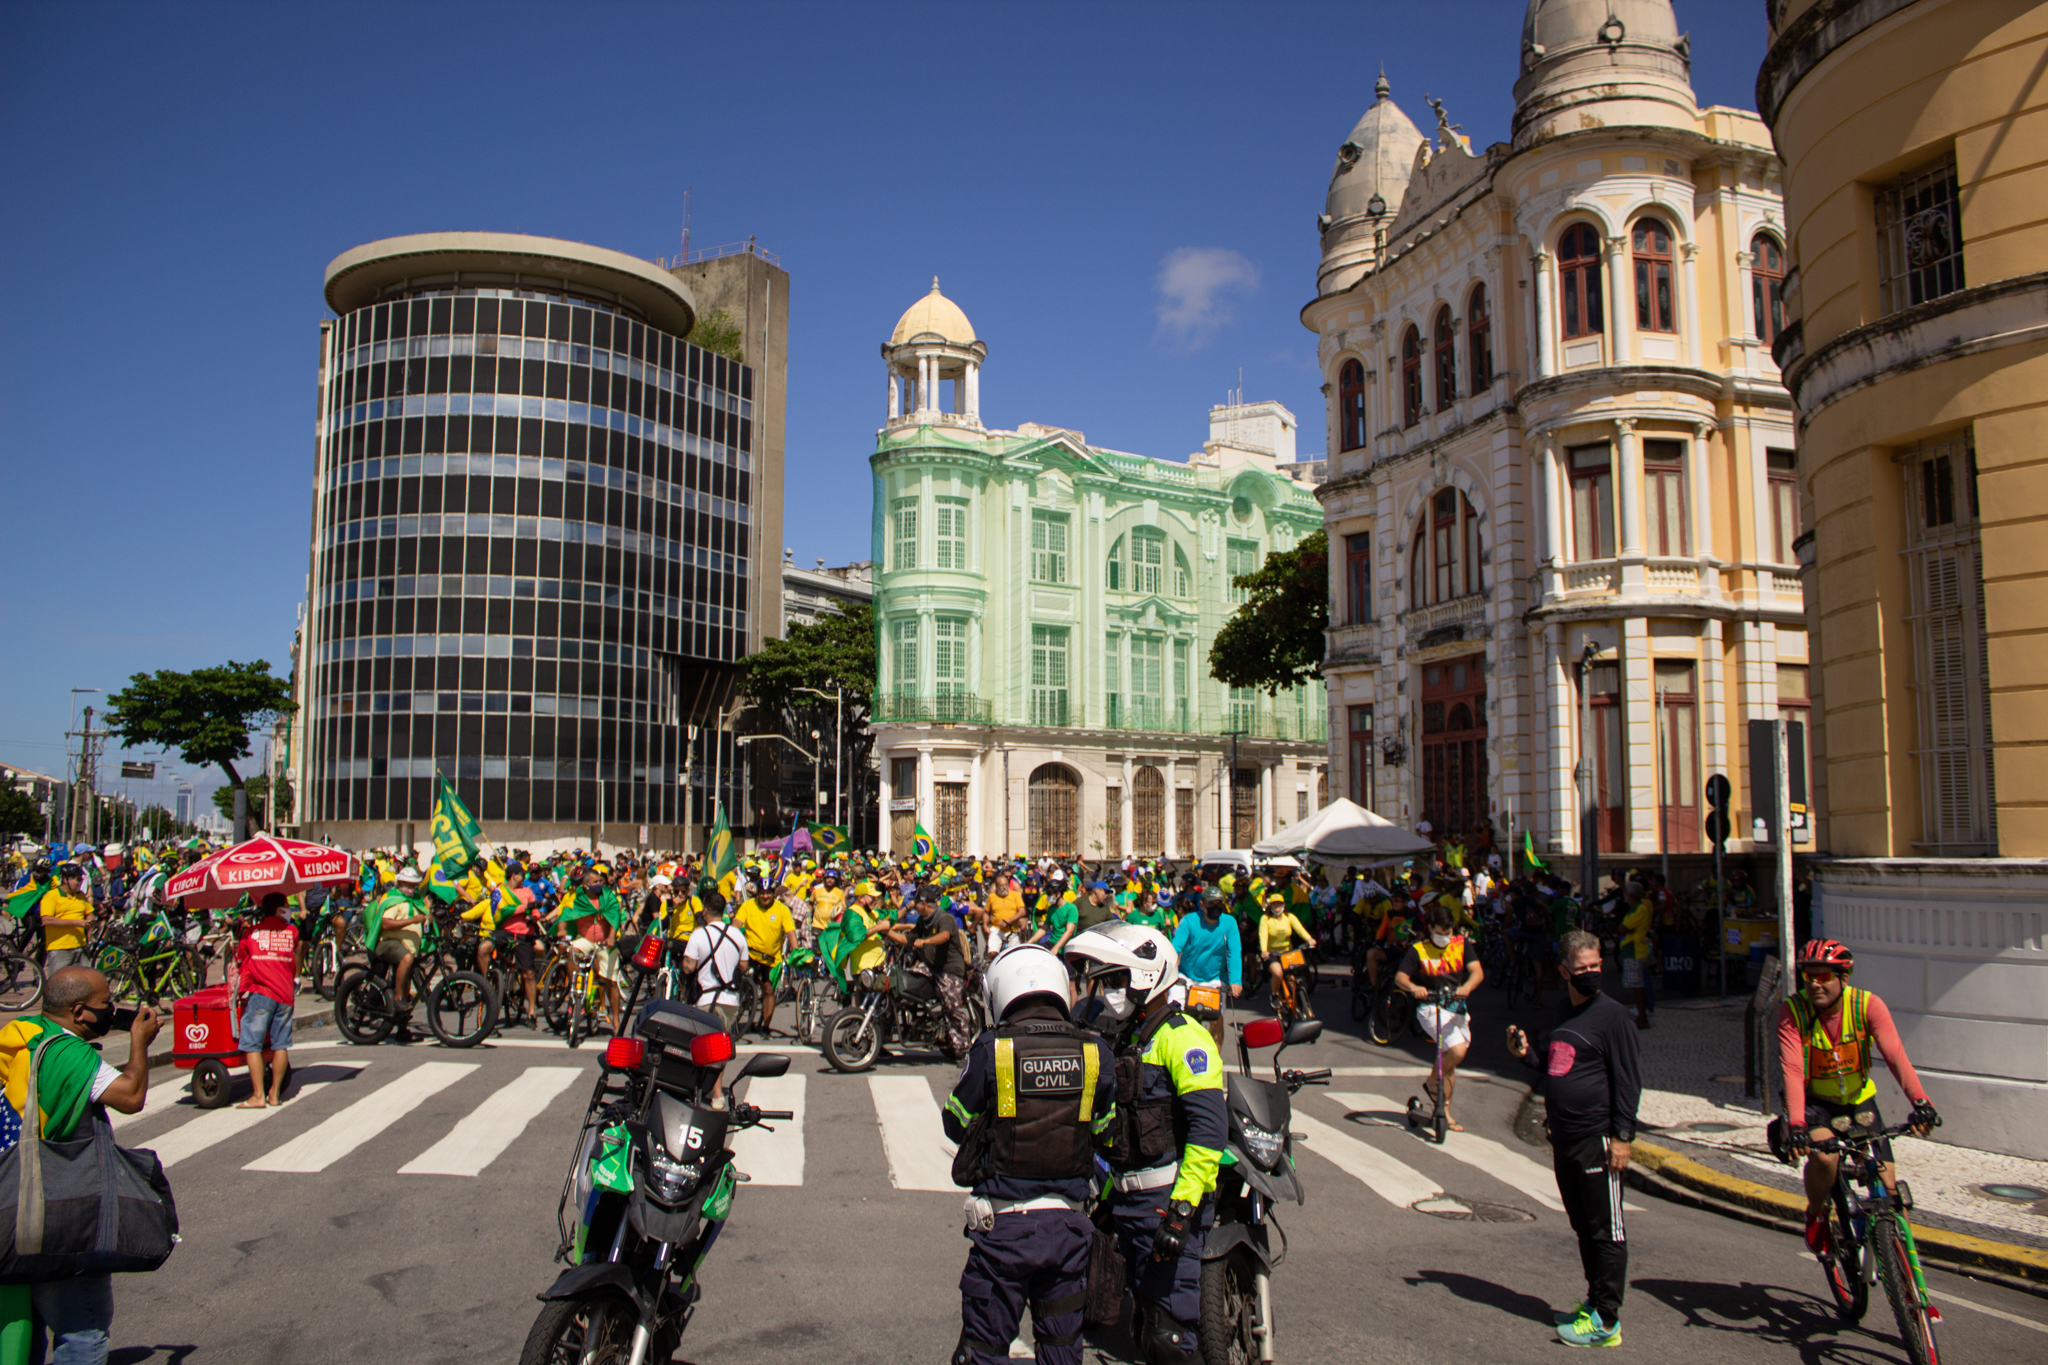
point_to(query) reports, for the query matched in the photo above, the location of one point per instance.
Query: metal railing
(954, 708)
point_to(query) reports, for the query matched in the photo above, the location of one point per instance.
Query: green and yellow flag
(829, 838)
(25, 900)
(721, 859)
(455, 831)
(921, 845)
(1529, 851)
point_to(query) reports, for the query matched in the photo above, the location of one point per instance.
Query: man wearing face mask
(1436, 962)
(70, 1081)
(1593, 1082)
(1211, 959)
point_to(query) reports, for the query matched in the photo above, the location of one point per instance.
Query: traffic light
(1718, 792)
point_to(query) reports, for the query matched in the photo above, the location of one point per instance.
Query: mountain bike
(1297, 978)
(1869, 1239)
(149, 966)
(1391, 1010)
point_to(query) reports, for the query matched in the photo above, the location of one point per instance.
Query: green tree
(19, 813)
(838, 652)
(1275, 640)
(159, 822)
(206, 715)
(717, 332)
(258, 788)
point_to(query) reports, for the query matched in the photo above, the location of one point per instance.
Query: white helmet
(1146, 954)
(1029, 969)
(409, 876)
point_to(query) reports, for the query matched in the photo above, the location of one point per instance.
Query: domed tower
(934, 342)
(1594, 63)
(1366, 189)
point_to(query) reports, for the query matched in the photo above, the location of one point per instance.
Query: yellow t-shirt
(1006, 911)
(1278, 932)
(767, 926)
(826, 903)
(57, 905)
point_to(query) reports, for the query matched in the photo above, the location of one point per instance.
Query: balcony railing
(1597, 575)
(1672, 575)
(1472, 606)
(955, 708)
(1152, 716)
(1358, 641)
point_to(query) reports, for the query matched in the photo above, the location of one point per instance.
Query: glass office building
(531, 562)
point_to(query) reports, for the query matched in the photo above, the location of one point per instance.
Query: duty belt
(1151, 1178)
(1049, 1201)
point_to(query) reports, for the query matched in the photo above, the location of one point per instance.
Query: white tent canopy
(1345, 832)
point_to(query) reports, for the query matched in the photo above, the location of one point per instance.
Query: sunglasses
(1822, 978)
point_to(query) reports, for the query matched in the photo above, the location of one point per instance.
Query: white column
(883, 793)
(1639, 734)
(1699, 496)
(924, 383)
(1555, 552)
(976, 844)
(1545, 351)
(893, 391)
(1628, 485)
(1168, 831)
(927, 808)
(1264, 824)
(1689, 300)
(1714, 717)
(1130, 810)
(1563, 755)
(1621, 304)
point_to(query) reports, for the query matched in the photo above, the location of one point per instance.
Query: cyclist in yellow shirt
(1278, 928)
(66, 915)
(768, 925)
(828, 900)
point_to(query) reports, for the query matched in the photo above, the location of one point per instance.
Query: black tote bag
(80, 1207)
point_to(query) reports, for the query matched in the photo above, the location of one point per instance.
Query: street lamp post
(838, 747)
(1589, 814)
(807, 753)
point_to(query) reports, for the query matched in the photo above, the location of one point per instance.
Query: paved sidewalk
(1693, 1104)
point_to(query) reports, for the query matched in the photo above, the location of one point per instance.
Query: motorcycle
(1238, 1252)
(649, 1191)
(893, 1005)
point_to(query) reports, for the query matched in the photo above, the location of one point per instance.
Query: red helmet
(1825, 954)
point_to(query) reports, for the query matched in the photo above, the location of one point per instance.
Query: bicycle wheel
(1379, 1020)
(117, 965)
(1842, 1265)
(1902, 1287)
(182, 979)
(362, 1008)
(1361, 1002)
(324, 965)
(556, 981)
(462, 1010)
(579, 1012)
(21, 984)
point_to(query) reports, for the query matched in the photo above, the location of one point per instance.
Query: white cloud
(1195, 283)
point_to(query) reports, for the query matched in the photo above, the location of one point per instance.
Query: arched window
(1411, 378)
(1148, 812)
(1115, 566)
(1183, 578)
(1444, 562)
(1446, 361)
(1653, 277)
(1351, 406)
(1148, 561)
(1767, 287)
(1479, 341)
(1578, 281)
(1053, 824)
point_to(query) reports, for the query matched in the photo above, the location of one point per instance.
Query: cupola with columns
(934, 342)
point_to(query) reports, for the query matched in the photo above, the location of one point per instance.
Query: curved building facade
(534, 541)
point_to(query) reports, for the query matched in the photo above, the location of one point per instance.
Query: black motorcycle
(1238, 1253)
(893, 1006)
(648, 1193)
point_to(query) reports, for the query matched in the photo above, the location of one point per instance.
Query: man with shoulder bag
(73, 1087)
(1031, 1106)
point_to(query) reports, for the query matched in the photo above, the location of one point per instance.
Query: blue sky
(1121, 196)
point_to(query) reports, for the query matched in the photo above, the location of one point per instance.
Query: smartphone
(124, 1019)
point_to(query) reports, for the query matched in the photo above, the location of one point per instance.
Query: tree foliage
(1275, 640)
(206, 715)
(19, 813)
(837, 652)
(718, 333)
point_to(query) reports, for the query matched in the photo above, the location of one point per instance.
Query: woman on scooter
(1433, 962)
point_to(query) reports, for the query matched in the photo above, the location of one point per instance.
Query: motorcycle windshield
(688, 1133)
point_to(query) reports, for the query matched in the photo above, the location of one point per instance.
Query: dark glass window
(1578, 281)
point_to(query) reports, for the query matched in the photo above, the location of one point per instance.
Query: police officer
(1168, 1140)
(1035, 1097)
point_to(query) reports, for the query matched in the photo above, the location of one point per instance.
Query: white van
(1241, 863)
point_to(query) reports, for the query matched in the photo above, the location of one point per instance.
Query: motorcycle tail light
(625, 1054)
(709, 1049)
(1264, 1033)
(649, 955)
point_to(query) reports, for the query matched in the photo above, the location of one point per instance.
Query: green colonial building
(1046, 609)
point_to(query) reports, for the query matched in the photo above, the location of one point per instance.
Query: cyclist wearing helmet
(1211, 958)
(1035, 1099)
(391, 928)
(1278, 929)
(1825, 1032)
(1168, 1139)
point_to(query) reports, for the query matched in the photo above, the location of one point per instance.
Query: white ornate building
(1521, 470)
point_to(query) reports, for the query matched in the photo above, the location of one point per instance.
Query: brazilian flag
(24, 900)
(921, 845)
(721, 860)
(829, 838)
(1529, 851)
(455, 832)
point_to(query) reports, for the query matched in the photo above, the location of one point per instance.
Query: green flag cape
(455, 831)
(1529, 851)
(24, 900)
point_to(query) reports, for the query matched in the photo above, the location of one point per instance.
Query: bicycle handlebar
(1296, 1079)
(1861, 1137)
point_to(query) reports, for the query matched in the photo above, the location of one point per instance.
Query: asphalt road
(332, 1230)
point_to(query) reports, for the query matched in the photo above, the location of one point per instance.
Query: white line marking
(318, 1148)
(1502, 1163)
(487, 1130)
(1394, 1181)
(195, 1135)
(920, 1158)
(1986, 1308)
(775, 1158)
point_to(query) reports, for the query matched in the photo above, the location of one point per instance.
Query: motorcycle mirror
(766, 1064)
(1303, 1031)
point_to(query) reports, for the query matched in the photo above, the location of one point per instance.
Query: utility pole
(1589, 812)
(1781, 831)
(81, 810)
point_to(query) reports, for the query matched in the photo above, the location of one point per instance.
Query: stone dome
(1627, 55)
(937, 315)
(1376, 159)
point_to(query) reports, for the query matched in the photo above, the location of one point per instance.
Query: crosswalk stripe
(1496, 1159)
(1394, 1181)
(920, 1158)
(487, 1130)
(322, 1146)
(211, 1127)
(774, 1158)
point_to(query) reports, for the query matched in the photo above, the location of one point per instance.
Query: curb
(1661, 1171)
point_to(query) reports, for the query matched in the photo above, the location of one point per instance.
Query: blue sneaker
(1560, 1319)
(1588, 1329)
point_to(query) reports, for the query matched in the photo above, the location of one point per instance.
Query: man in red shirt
(265, 952)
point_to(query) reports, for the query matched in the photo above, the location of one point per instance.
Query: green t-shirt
(1063, 914)
(1155, 918)
(64, 1081)
(1564, 915)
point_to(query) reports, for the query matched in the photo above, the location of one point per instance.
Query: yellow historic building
(1561, 471)
(1915, 345)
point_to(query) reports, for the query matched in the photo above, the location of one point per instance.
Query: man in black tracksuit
(1593, 1082)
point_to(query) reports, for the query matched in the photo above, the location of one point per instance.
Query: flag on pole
(921, 845)
(720, 860)
(1529, 851)
(829, 838)
(455, 831)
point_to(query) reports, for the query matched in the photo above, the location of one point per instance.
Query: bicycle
(1392, 1011)
(1291, 1000)
(150, 966)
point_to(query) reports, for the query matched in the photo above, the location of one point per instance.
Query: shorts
(728, 1015)
(1840, 1118)
(57, 959)
(266, 1023)
(1452, 1028)
(393, 950)
(607, 957)
(1631, 973)
(762, 972)
(522, 951)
